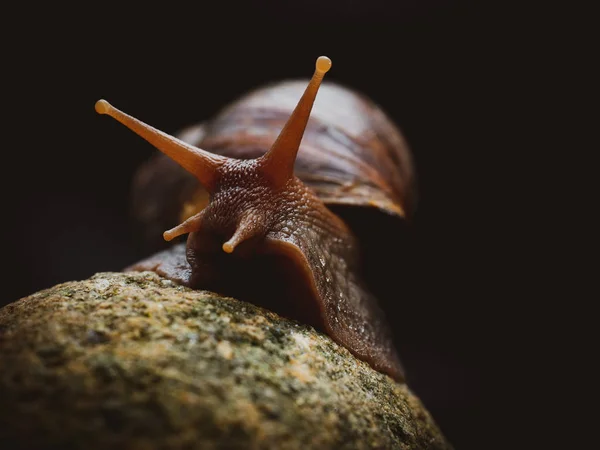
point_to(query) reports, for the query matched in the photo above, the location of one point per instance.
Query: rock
(131, 360)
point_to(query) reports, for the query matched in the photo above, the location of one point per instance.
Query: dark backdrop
(434, 66)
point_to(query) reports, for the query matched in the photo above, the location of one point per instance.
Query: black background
(442, 70)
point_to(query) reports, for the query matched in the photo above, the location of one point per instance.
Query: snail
(267, 199)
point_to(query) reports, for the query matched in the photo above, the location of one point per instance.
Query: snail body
(268, 205)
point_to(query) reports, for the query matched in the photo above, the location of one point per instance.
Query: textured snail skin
(277, 243)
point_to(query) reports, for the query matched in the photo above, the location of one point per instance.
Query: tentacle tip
(323, 64)
(102, 107)
(168, 236)
(228, 247)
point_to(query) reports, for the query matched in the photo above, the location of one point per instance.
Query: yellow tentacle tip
(102, 107)
(323, 64)
(228, 247)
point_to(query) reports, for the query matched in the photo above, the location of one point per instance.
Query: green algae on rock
(132, 360)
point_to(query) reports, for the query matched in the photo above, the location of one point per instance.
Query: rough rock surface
(131, 360)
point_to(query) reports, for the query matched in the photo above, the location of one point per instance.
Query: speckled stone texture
(131, 360)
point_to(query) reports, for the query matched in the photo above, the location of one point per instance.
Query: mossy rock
(131, 360)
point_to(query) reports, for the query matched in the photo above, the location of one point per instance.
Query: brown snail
(259, 208)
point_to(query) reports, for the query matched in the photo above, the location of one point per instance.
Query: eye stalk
(278, 162)
(200, 163)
